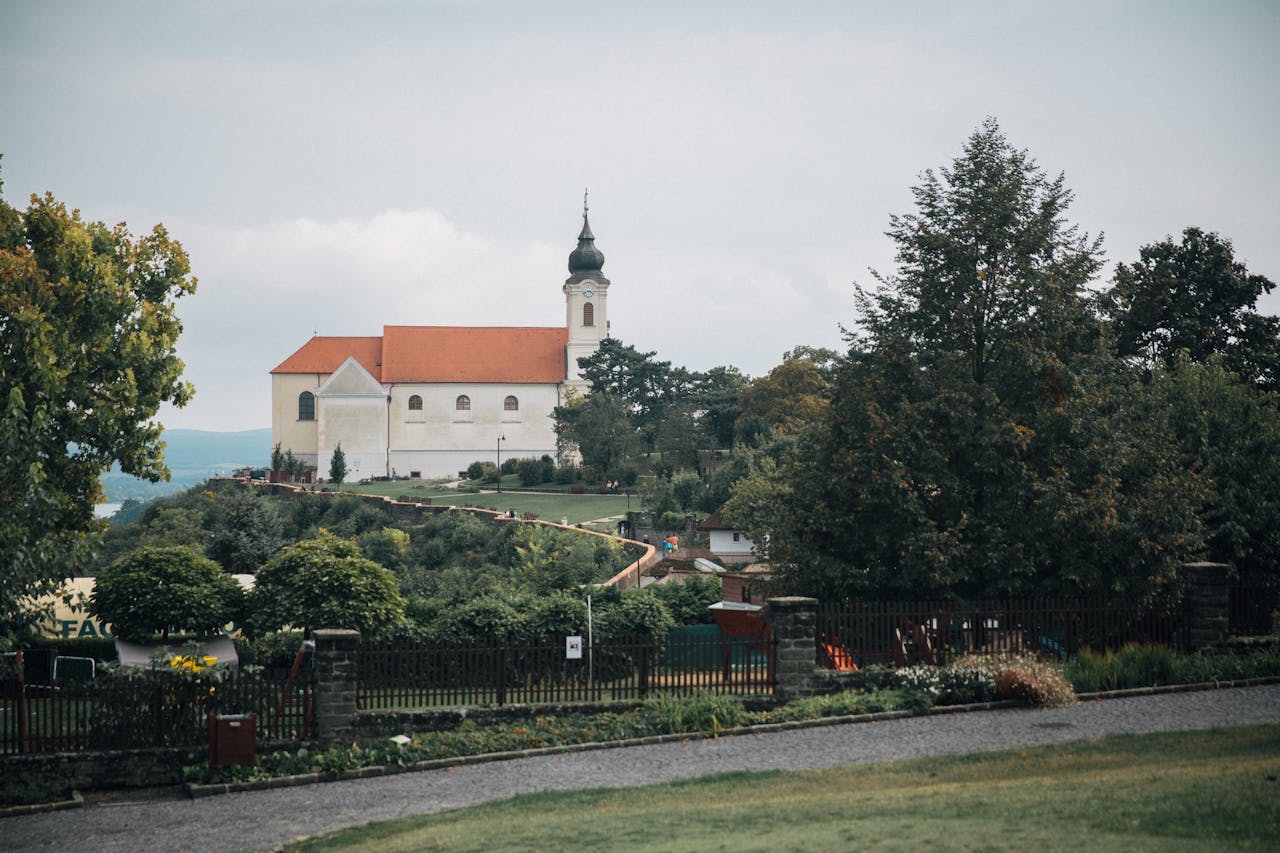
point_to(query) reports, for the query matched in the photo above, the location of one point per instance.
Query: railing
(145, 709)
(423, 675)
(1253, 604)
(867, 632)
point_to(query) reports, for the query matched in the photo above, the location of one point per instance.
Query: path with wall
(263, 820)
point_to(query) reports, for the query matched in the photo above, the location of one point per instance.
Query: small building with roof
(430, 400)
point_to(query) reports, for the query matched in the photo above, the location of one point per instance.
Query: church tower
(586, 299)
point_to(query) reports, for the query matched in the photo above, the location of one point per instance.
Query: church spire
(586, 258)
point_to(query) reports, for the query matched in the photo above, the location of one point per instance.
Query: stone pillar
(1208, 604)
(335, 696)
(795, 624)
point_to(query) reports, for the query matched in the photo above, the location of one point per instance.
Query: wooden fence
(145, 708)
(406, 675)
(869, 632)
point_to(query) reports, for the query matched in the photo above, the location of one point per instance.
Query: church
(427, 401)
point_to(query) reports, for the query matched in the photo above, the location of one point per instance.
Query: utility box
(233, 739)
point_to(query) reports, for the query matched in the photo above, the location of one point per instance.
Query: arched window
(415, 403)
(306, 406)
(463, 403)
(588, 314)
(511, 404)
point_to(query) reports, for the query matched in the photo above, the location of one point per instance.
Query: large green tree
(326, 583)
(981, 439)
(1195, 297)
(599, 427)
(88, 331)
(161, 590)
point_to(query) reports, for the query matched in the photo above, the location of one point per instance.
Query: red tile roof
(442, 354)
(325, 355)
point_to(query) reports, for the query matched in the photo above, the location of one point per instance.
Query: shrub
(157, 590)
(702, 712)
(1034, 682)
(475, 470)
(325, 583)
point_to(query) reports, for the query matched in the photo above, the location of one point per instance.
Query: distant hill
(193, 456)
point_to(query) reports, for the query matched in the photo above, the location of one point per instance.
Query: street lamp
(501, 439)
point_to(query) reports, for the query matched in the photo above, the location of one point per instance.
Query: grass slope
(1212, 790)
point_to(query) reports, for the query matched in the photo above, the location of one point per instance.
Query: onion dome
(586, 258)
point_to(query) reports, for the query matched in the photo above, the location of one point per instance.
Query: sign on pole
(573, 648)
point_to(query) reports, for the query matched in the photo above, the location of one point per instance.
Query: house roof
(325, 355)
(442, 354)
(468, 354)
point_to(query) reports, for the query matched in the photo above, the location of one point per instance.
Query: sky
(333, 166)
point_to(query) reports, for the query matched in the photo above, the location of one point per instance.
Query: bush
(1034, 682)
(325, 583)
(475, 471)
(566, 474)
(158, 590)
(702, 712)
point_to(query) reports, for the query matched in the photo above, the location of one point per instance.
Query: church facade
(428, 401)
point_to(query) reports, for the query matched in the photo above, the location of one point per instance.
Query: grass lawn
(1214, 790)
(549, 506)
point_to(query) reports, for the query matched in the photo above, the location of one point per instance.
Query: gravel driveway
(263, 820)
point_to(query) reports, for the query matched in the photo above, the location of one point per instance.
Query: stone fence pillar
(1208, 603)
(795, 624)
(335, 696)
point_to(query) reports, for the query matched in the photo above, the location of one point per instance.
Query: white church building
(429, 400)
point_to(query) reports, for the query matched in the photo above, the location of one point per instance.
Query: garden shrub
(1034, 682)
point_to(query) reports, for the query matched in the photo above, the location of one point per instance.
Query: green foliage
(1229, 433)
(600, 428)
(1140, 665)
(338, 465)
(275, 650)
(791, 397)
(688, 602)
(245, 529)
(88, 336)
(1194, 297)
(535, 472)
(162, 590)
(388, 546)
(475, 471)
(325, 583)
(702, 712)
(981, 439)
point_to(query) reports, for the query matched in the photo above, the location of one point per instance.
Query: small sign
(573, 648)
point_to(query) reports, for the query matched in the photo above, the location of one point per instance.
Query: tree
(88, 334)
(600, 428)
(246, 529)
(338, 465)
(791, 396)
(981, 439)
(646, 387)
(326, 583)
(162, 590)
(1194, 297)
(1229, 432)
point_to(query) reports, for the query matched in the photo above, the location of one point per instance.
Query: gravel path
(263, 820)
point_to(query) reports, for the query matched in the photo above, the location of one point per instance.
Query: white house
(430, 400)
(728, 544)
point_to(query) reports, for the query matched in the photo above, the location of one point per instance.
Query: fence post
(644, 668)
(795, 624)
(335, 696)
(1208, 611)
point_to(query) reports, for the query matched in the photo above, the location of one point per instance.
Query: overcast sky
(334, 166)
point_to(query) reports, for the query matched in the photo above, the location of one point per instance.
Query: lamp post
(501, 439)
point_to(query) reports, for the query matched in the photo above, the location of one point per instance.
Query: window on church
(463, 404)
(588, 314)
(306, 406)
(415, 403)
(511, 404)
(414, 415)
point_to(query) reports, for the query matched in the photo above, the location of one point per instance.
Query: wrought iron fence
(1253, 605)
(865, 633)
(409, 675)
(146, 708)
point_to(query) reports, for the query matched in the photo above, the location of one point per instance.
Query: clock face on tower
(588, 291)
